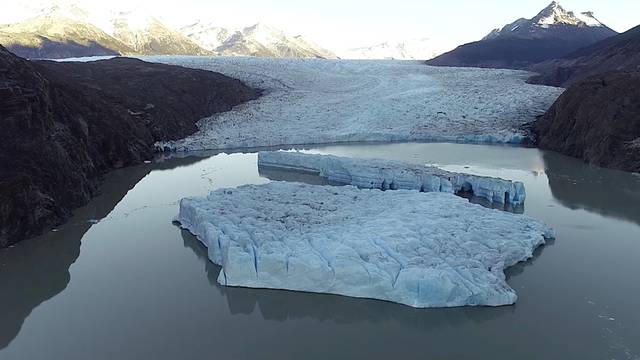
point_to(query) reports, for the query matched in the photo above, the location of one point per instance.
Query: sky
(341, 24)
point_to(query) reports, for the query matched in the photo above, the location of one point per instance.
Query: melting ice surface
(393, 175)
(418, 249)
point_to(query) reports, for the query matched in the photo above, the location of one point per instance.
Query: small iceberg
(395, 175)
(424, 250)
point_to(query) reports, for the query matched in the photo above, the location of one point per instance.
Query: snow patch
(395, 175)
(418, 249)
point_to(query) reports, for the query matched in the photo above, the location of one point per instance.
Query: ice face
(417, 249)
(393, 175)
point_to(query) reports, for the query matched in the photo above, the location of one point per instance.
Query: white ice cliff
(394, 175)
(419, 249)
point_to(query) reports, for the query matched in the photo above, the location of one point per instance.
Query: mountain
(418, 49)
(207, 35)
(70, 31)
(617, 53)
(555, 21)
(146, 35)
(552, 33)
(266, 41)
(59, 32)
(64, 125)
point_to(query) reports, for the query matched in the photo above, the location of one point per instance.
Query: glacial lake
(121, 281)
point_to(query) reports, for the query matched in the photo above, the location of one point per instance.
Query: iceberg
(418, 249)
(394, 175)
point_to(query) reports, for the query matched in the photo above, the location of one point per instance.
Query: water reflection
(43, 263)
(581, 186)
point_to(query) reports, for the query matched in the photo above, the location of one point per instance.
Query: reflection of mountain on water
(279, 305)
(38, 269)
(581, 186)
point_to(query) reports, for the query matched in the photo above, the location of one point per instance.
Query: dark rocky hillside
(508, 53)
(597, 120)
(618, 53)
(64, 125)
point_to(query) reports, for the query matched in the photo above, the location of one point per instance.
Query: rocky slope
(597, 120)
(617, 53)
(66, 124)
(552, 33)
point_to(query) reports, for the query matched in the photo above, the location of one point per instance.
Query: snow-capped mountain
(207, 35)
(58, 32)
(146, 35)
(418, 49)
(256, 40)
(555, 21)
(70, 31)
(553, 33)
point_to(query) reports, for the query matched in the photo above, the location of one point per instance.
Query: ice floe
(314, 101)
(419, 249)
(394, 175)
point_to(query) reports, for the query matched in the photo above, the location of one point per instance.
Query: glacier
(315, 101)
(418, 249)
(394, 175)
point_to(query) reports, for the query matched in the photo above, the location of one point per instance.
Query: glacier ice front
(418, 249)
(393, 175)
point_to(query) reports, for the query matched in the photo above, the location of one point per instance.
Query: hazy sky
(349, 23)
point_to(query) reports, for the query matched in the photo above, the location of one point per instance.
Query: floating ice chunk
(419, 249)
(393, 175)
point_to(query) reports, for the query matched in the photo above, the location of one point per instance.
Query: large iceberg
(418, 249)
(394, 175)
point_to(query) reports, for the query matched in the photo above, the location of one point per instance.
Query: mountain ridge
(554, 32)
(71, 31)
(256, 40)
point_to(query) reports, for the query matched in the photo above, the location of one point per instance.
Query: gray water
(120, 281)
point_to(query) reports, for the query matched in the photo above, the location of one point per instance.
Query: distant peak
(555, 14)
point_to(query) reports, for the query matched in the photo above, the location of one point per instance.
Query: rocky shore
(67, 124)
